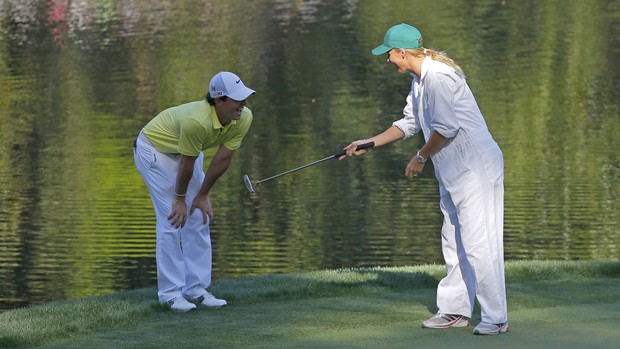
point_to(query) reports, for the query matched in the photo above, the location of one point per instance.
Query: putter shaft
(251, 186)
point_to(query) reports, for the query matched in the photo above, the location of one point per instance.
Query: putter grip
(359, 147)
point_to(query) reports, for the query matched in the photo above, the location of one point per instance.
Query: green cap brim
(381, 49)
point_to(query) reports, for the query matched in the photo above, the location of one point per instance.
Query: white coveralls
(186, 271)
(470, 172)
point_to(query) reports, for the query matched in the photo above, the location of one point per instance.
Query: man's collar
(216, 122)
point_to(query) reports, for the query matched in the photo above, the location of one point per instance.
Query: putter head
(248, 183)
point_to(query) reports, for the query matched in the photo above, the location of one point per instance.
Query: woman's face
(398, 58)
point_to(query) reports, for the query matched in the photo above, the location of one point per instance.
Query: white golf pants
(183, 255)
(470, 171)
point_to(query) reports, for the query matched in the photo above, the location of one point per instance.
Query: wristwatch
(419, 158)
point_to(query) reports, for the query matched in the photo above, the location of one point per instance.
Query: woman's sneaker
(446, 321)
(489, 328)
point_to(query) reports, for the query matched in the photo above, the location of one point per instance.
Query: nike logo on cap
(238, 81)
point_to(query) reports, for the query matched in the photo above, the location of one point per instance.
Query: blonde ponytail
(436, 56)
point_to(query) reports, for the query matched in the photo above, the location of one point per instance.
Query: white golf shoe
(209, 300)
(181, 304)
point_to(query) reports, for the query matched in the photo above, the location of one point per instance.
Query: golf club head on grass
(248, 183)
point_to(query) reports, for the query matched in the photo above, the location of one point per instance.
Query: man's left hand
(204, 205)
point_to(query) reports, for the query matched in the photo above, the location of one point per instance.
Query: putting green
(550, 305)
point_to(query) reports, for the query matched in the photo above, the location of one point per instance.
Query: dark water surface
(78, 79)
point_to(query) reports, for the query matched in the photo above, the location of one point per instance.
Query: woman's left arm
(416, 164)
(440, 91)
(434, 145)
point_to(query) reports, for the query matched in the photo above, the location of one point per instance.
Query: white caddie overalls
(470, 172)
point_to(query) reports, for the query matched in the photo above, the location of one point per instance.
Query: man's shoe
(489, 328)
(181, 304)
(209, 300)
(446, 321)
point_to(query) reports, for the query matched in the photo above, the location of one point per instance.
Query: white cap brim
(241, 93)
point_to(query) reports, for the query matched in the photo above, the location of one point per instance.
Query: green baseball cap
(399, 36)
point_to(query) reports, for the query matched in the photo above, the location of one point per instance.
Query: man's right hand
(178, 216)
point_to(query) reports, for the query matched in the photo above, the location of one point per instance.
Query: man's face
(228, 110)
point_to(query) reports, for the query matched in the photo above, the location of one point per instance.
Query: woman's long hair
(436, 56)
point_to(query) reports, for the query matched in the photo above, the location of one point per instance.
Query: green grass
(551, 305)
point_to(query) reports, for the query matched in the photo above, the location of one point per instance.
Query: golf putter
(252, 186)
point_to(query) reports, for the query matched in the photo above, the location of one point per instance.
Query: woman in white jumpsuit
(470, 170)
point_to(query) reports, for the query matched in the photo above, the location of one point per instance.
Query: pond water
(78, 79)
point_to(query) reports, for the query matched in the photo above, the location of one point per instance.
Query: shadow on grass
(328, 283)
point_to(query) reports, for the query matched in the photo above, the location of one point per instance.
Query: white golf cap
(229, 84)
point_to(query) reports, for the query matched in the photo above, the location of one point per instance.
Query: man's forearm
(219, 164)
(214, 172)
(186, 170)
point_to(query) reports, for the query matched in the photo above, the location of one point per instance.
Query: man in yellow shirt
(168, 155)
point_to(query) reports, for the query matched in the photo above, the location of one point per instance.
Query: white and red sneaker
(446, 321)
